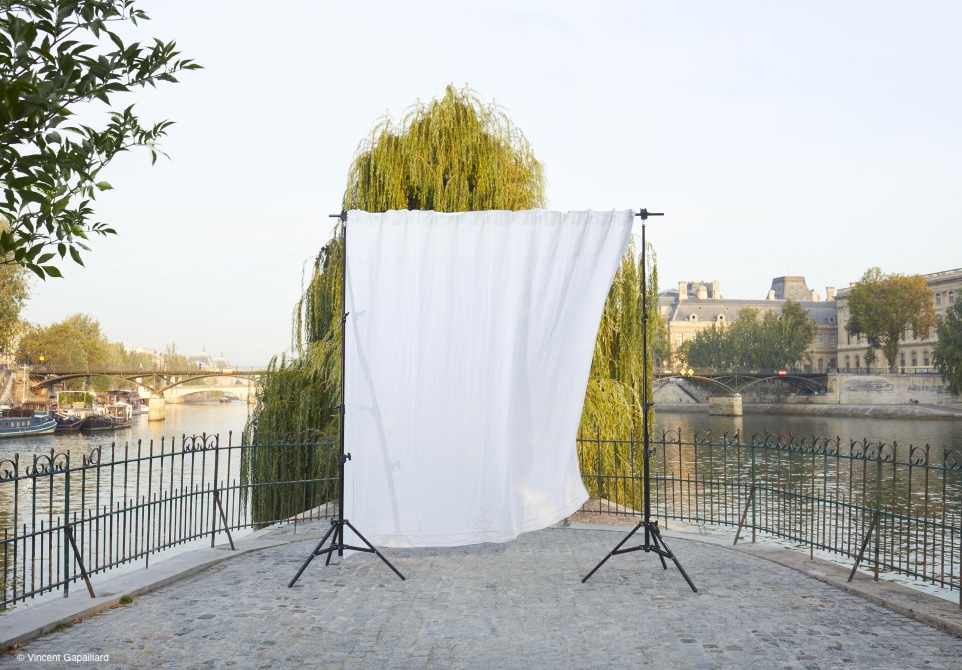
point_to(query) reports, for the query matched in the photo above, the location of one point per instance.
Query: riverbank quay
(519, 604)
(908, 411)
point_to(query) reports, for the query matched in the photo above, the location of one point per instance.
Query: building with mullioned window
(695, 306)
(915, 353)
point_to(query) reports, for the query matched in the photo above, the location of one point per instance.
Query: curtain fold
(468, 346)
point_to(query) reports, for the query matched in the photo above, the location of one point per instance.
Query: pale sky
(810, 138)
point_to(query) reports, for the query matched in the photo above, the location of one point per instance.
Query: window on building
(857, 363)
(902, 359)
(951, 297)
(679, 338)
(938, 299)
(831, 341)
(849, 336)
(831, 363)
(821, 364)
(925, 358)
(848, 363)
(915, 358)
(820, 341)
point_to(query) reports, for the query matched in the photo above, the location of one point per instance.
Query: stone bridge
(160, 386)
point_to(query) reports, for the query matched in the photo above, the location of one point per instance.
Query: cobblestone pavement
(514, 605)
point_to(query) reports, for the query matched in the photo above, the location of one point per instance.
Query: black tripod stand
(336, 532)
(654, 542)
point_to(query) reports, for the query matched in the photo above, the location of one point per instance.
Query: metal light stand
(654, 542)
(336, 531)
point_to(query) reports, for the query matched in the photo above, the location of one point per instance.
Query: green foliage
(76, 342)
(755, 341)
(57, 59)
(882, 307)
(947, 354)
(14, 291)
(455, 154)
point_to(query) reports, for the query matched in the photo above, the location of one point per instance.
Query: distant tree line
(78, 342)
(756, 341)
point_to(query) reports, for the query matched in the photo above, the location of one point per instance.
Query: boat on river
(24, 422)
(109, 417)
(69, 422)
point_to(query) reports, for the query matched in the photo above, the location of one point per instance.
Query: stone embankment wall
(926, 389)
(843, 389)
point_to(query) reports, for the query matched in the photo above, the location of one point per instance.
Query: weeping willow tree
(613, 411)
(450, 155)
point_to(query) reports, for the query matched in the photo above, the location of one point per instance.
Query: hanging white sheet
(468, 347)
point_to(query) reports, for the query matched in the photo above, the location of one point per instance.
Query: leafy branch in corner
(56, 58)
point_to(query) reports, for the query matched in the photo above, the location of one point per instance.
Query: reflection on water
(945, 433)
(190, 419)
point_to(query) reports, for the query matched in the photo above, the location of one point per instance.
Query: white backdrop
(468, 347)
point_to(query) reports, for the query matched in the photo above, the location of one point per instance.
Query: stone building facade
(915, 353)
(695, 306)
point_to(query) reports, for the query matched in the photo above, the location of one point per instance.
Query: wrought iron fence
(895, 508)
(64, 517)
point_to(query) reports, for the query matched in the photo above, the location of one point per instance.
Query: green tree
(58, 58)
(755, 341)
(708, 349)
(453, 154)
(947, 354)
(14, 291)
(882, 307)
(75, 342)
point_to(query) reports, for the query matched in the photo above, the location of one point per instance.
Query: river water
(937, 433)
(226, 418)
(189, 418)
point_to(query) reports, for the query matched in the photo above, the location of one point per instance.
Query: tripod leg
(316, 552)
(613, 552)
(651, 528)
(337, 542)
(373, 550)
(668, 552)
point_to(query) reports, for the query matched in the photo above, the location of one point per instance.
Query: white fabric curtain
(468, 346)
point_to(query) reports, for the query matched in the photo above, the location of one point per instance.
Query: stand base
(336, 535)
(653, 543)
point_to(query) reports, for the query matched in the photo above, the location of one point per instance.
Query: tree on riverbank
(755, 341)
(76, 342)
(947, 353)
(883, 307)
(14, 291)
(57, 59)
(453, 154)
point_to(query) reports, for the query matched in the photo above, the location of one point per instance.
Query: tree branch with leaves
(56, 59)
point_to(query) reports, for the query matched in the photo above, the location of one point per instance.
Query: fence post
(66, 522)
(878, 507)
(216, 500)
